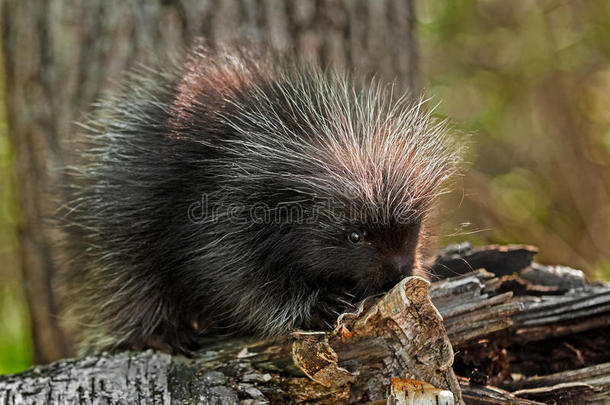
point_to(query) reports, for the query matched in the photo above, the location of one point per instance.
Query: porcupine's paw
(328, 308)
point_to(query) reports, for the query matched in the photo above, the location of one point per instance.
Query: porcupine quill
(241, 193)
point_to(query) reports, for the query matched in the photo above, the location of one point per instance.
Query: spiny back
(231, 134)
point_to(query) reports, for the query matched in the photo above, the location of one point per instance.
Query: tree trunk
(60, 55)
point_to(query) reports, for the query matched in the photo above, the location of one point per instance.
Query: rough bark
(59, 56)
(524, 332)
(401, 335)
(539, 335)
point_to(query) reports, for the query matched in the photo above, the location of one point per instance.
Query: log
(462, 258)
(523, 331)
(540, 334)
(400, 335)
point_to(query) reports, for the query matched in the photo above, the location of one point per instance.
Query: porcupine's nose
(394, 269)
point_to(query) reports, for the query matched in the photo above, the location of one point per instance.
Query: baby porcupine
(245, 194)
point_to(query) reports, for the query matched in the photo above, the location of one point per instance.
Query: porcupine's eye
(354, 237)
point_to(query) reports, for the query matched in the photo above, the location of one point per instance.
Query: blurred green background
(15, 350)
(529, 81)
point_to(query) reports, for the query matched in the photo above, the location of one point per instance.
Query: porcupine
(242, 193)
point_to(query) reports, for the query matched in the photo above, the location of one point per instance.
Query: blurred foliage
(530, 81)
(15, 350)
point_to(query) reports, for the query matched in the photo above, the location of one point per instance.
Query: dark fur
(256, 135)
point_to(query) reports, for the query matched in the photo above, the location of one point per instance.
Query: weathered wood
(400, 335)
(567, 393)
(122, 378)
(598, 375)
(502, 324)
(410, 392)
(520, 339)
(485, 395)
(462, 258)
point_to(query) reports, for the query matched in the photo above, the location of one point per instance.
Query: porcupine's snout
(395, 268)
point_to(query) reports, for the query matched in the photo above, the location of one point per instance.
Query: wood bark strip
(598, 374)
(463, 258)
(484, 395)
(571, 393)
